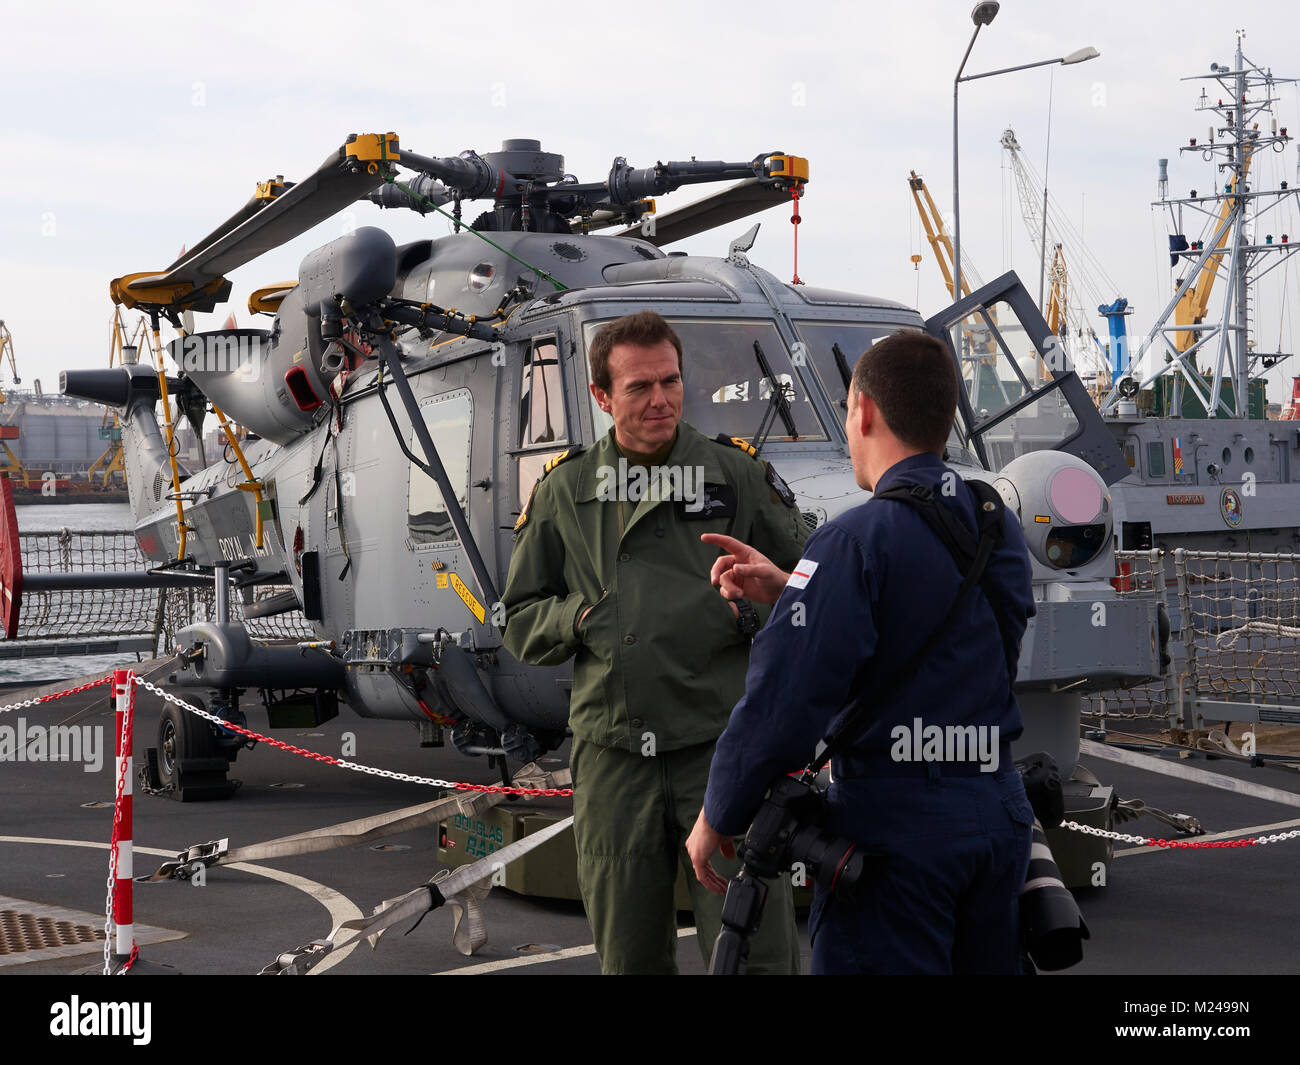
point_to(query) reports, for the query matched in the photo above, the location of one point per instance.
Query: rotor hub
(524, 158)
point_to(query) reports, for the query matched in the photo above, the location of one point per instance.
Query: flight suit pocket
(597, 631)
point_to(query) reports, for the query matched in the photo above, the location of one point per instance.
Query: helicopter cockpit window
(541, 413)
(726, 389)
(448, 419)
(1001, 366)
(541, 398)
(821, 339)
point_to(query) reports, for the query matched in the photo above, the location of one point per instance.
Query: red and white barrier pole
(123, 920)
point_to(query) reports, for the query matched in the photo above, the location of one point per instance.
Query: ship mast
(1186, 329)
(1239, 164)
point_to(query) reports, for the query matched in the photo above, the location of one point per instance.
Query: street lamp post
(983, 14)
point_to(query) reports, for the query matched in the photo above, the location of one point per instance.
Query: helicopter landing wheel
(190, 768)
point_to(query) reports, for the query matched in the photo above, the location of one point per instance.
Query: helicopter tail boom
(135, 389)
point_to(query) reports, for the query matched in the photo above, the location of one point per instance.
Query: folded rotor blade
(738, 201)
(244, 236)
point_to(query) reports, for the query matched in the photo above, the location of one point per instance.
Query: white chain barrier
(1181, 844)
(38, 700)
(341, 763)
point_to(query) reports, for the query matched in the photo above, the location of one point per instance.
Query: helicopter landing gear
(520, 744)
(187, 765)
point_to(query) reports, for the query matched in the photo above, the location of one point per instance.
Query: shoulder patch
(737, 442)
(567, 453)
(551, 463)
(802, 573)
(779, 486)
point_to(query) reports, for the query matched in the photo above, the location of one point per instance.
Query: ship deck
(1185, 912)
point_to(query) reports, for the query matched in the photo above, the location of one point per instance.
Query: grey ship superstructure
(1226, 481)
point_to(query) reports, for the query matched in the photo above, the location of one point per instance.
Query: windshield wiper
(777, 404)
(843, 364)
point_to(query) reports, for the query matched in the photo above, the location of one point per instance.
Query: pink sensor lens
(1075, 496)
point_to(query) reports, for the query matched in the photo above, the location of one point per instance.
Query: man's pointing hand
(743, 572)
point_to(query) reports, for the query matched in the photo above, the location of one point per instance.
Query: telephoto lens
(1051, 927)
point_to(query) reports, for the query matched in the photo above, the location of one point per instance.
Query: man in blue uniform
(927, 783)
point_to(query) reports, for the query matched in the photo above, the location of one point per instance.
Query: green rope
(425, 201)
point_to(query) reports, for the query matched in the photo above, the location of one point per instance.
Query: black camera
(787, 830)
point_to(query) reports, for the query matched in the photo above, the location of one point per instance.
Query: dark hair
(644, 329)
(910, 376)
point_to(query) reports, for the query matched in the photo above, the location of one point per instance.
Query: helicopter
(405, 399)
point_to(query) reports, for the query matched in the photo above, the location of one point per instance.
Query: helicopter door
(542, 425)
(1018, 392)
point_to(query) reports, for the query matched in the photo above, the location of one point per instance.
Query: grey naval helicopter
(405, 400)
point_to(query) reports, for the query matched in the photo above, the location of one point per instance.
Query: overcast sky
(133, 132)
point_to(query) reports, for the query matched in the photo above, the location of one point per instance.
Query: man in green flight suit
(609, 568)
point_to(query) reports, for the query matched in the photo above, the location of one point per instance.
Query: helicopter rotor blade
(253, 231)
(738, 201)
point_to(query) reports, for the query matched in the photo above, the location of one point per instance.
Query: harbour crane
(1068, 320)
(12, 465)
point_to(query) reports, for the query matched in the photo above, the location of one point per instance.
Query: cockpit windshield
(727, 389)
(833, 349)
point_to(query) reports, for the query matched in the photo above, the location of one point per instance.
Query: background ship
(1188, 406)
(1211, 472)
(57, 449)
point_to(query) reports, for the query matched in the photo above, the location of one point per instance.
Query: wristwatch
(747, 621)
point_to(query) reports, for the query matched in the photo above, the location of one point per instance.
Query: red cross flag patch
(802, 573)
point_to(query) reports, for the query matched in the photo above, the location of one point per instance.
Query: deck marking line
(535, 959)
(1186, 772)
(340, 907)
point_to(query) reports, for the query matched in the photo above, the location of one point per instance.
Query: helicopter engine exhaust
(277, 381)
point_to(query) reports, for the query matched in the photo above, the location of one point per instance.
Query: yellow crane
(1196, 300)
(937, 234)
(1058, 293)
(1058, 316)
(979, 341)
(12, 465)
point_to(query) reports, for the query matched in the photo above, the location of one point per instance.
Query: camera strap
(971, 556)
